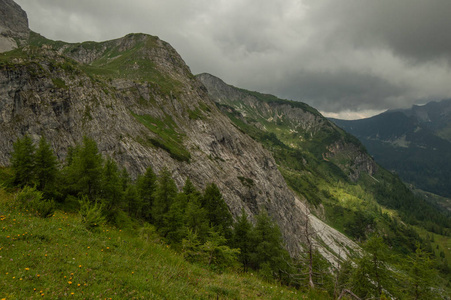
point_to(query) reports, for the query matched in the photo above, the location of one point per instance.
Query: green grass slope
(57, 257)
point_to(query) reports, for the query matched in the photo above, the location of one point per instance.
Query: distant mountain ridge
(414, 142)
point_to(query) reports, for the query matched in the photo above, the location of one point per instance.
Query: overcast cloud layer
(349, 58)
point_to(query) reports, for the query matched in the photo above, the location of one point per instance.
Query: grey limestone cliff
(13, 25)
(139, 101)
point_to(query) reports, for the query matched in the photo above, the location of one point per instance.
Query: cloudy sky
(347, 58)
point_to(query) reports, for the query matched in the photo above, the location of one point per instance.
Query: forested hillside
(413, 142)
(197, 225)
(332, 170)
(117, 147)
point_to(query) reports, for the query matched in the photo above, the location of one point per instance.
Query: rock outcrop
(139, 101)
(304, 125)
(52, 97)
(13, 26)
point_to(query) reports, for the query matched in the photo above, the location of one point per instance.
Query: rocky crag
(137, 98)
(296, 124)
(13, 26)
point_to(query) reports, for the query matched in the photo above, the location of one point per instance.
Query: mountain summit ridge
(138, 100)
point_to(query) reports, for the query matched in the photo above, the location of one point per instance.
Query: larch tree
(46, 166)
(22, 161)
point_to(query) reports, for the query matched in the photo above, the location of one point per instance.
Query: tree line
(200, 225)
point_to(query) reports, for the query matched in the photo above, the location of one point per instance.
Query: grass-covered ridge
(130, 57)
(58, 257)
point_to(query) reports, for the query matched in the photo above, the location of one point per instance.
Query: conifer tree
(146, 187)
(22, 161)
(217, 210)
(179, 218)
(175, 219)
(133, 201)
(421, 274)
(267, 245)
(372, 273)
(190, 190)
(84, 174)
(241, 239)
(111, 189)
(215, 250)
(164, 195)
(46, 169)
(125, 179)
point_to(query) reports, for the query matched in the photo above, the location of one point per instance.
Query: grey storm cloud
(358, 55)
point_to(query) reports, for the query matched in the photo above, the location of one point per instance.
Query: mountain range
(139, 101)
(413, 142)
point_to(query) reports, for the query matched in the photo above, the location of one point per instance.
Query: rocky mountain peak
(139, 101)
(14, 29)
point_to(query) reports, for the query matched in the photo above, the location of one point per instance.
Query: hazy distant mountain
(415, 142)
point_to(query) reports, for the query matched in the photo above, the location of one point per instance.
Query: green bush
(91, 213)
(32, 199)
(149, 233)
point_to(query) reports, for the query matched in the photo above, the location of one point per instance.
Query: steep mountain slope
(139, 101)
(13, 26)
(295, 126)
(328, 167)
(413, 142)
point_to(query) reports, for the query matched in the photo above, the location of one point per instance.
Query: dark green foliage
(22, 161)
(146, 184)
(164, 195)
(124, 179)
(133, 202)
(168, 137)
(217, 210)
(91, 213)
(196, 218)
(372, 273)
(84, 173)
(425, 159)
(359, 225)
(174, 219)
(267, 245)
(321, 273)
(46, 166)
(248, 182)
(111, 190)
(190, 190)
(421, 276)
(59, 83)
(241, 239)
(342, 275)
(31, 199)
(201, 225)
(215, 251)
(392, 193)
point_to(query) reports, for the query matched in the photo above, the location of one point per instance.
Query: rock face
(139, 101)
(13, 25)
(49, 96)
(295, 123)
